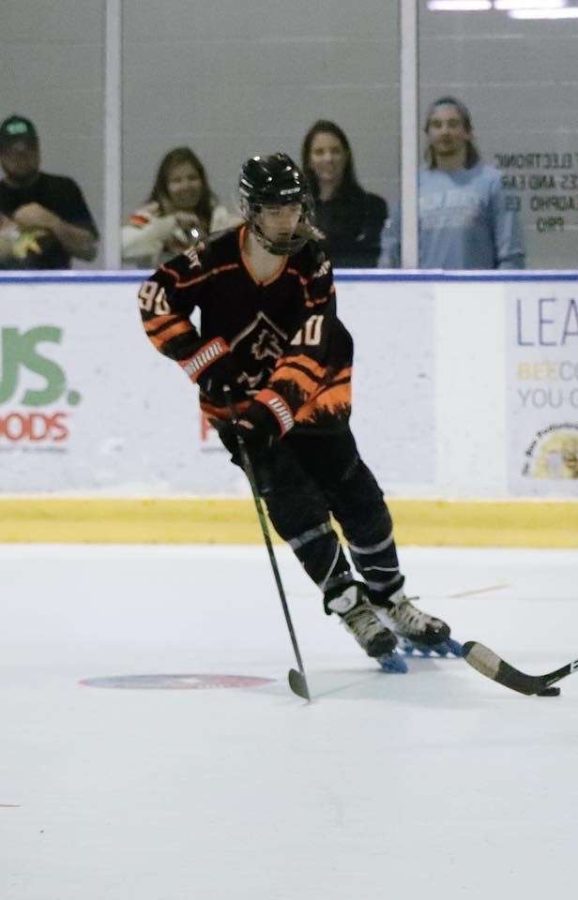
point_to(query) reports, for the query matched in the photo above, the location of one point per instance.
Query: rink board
(460, 383)
(202, 520)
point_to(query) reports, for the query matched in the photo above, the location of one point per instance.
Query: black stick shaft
(568, 669)
(250, 473)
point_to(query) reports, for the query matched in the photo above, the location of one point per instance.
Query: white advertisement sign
(460, 389)
(393, 379)
(542, 380)
(87, 405)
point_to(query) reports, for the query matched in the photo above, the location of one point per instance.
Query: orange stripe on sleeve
(157, 323)
(203, 277)
(160, 339)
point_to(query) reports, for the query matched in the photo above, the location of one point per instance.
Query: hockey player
(270, 340)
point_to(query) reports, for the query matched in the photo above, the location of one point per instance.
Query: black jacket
(352, 223)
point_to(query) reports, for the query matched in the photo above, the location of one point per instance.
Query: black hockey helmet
(275, 181)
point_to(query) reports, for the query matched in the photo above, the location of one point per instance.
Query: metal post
(409, 132)
(112, 133)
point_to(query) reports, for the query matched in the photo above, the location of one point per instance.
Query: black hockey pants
(304, 480)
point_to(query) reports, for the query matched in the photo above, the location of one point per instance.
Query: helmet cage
(275, 181)
(281, 246)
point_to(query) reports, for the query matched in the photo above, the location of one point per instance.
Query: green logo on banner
(19, 352)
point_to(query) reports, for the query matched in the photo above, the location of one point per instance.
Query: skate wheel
(392, 663)
(454, 647)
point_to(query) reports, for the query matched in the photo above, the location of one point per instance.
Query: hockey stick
(296, 678)
(489, 664)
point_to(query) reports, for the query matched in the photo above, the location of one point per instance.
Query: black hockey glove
(259, 427)
(213, 368)
(218, 376)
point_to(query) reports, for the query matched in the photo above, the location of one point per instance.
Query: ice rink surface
(438, 783)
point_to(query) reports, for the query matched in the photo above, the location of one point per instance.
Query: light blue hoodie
(463, 223)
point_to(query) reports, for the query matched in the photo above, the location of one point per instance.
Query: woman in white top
(181, 207)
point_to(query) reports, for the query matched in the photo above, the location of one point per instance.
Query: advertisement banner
(394, 389)
(88, 406)
(542, 388)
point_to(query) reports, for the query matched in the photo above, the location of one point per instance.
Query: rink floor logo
(185, 682)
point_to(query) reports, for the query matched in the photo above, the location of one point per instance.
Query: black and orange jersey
(284, 334)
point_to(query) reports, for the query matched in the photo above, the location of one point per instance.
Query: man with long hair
(464, 218)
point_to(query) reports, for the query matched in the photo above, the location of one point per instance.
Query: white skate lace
(409, 619)
(363, 622)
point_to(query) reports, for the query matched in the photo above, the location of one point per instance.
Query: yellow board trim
(439, 523)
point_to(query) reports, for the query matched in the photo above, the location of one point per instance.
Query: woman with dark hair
(181, 208)
(350, 218)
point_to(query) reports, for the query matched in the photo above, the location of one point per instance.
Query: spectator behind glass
(44, 219)
(351, 219)
(463, 221)
(181, 207)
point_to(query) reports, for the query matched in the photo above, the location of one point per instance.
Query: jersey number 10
(310, 334)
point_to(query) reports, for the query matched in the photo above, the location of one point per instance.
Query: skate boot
(350, 603)
(416, 630)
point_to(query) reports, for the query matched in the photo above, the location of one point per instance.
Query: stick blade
(298, 684)
(488, 663)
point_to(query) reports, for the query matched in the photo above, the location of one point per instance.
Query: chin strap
(304, 232)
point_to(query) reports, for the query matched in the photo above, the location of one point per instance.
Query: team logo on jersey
(267, 344)
(260, 345)
(262, 338)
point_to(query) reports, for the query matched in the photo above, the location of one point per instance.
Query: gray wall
(520, 81)
(233, 78)
(236, 77)
(51, 70)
